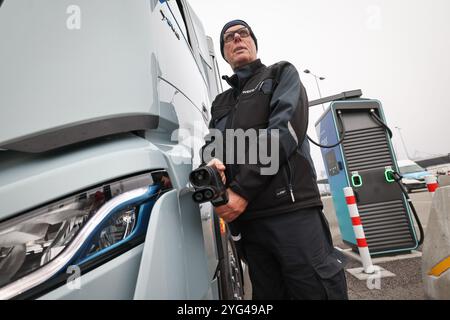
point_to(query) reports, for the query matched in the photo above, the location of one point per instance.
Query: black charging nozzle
(208, 186)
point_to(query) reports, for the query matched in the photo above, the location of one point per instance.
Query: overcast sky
(396, 51)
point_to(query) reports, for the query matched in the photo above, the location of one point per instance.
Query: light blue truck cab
(103, 108)
(413, 175)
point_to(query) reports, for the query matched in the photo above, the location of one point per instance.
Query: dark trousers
(291, 256)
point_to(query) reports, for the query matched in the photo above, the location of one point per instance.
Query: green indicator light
(356, 180)
(389, 175)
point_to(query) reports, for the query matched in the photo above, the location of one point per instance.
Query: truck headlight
(37, 245)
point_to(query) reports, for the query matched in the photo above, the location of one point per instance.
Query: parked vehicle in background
(413, 175)
(103, 108)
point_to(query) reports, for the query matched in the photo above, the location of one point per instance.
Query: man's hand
(234, 208)
(219, 166)
(236, 204)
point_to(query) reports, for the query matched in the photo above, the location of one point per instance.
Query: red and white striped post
(359, 231)
(432, 184)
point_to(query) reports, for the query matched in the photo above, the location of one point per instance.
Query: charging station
(365, 161)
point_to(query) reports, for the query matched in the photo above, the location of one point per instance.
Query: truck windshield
(411, 169)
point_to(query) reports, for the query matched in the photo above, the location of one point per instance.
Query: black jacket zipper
(289, 178)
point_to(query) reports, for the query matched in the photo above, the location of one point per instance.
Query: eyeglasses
(243, 32)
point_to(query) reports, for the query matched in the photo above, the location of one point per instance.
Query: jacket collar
(242, 74)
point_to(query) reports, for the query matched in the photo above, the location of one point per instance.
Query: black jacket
(268, 98)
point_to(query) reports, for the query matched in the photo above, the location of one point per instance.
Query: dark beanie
(231, 24)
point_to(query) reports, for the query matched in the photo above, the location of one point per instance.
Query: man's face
(241, 50)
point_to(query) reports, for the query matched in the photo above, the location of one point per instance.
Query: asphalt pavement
(407, 283)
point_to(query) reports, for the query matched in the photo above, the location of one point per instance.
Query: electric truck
(103, 108)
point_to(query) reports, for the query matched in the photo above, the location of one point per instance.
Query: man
(284, 235)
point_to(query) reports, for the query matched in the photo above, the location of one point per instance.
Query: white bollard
(359, 231)
(432, 184)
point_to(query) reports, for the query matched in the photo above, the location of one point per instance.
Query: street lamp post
(403, 142)
(317, 83)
